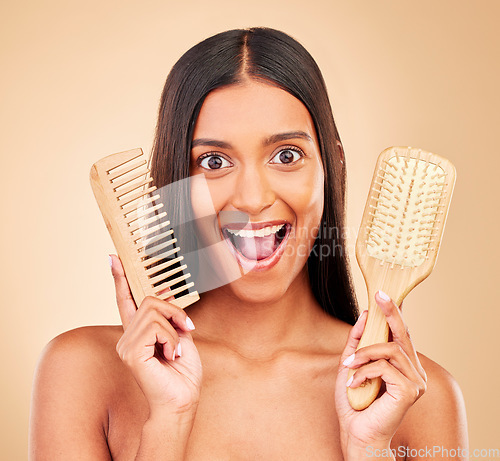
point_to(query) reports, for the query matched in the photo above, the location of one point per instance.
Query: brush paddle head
(405, 213)
(399, 237)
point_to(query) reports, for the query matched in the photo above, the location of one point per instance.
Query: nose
(253, 191)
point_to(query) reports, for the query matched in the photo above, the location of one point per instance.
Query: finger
(142, 341)
(155, 330)
(124, 299)
(175, 315)
(156, 326)
(391, 352)
(393, 316)
(187, 354)
(398, 328)
(397, 385)
(166, 290)
(354, 337)
(167, 345)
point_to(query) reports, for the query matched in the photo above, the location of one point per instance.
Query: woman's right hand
(158, 348)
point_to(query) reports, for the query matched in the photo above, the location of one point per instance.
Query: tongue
(256, 248)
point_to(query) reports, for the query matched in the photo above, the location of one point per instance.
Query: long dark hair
(272, 56)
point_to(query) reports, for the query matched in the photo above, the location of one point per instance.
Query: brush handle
(376, 331)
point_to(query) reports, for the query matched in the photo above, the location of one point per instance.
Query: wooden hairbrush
(140, 231)
(399, 237)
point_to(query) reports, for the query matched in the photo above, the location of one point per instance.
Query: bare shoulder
(438, 418)
(88, 349)
(83, 339)
(72, 388)
(79, 362)
(443, 392)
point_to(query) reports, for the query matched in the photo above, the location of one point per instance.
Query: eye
(287, 156)
(213, 162)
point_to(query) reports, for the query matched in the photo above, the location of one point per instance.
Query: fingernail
(110, 261)
(383, 295)
(361, 315)
(189, 323)
(348, 360)
(349, 381)
(173, 356)
(179, 349)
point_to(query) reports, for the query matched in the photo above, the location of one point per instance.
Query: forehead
(252, 107)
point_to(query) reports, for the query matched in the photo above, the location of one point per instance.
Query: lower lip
(263, 264)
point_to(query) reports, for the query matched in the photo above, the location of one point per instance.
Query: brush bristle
(408, 197)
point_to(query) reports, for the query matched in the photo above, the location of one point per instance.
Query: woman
(264, 373)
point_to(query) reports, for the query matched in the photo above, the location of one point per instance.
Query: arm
(158, 349)
(66, 415)
(166, 436)
(74, 384)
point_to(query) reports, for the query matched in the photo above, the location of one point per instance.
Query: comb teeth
(408, 195)
(140, 230)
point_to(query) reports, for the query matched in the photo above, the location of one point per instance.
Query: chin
(258, 291)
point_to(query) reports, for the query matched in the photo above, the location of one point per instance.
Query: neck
(259, 330)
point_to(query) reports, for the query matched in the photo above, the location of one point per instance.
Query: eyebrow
(270, 140)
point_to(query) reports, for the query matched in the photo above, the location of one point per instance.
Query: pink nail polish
(361, 315)
(348, 360)
(189, 323)
(384, 296)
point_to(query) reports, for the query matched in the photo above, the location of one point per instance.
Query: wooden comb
(141, 233)
(399, 237)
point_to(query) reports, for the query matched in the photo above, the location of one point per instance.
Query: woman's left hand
(404, 382)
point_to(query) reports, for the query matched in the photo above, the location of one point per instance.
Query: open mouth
(257, 244)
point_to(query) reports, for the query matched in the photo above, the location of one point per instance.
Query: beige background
(81, 80)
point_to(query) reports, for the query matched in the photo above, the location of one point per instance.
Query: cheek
(306, 197)
(204, 209)
(213, 195)
(200, 197)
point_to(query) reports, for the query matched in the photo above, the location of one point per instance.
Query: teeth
(256, 233)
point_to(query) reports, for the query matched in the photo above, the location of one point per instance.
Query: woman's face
(256, 146)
